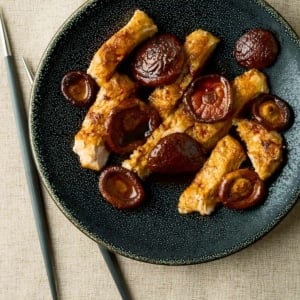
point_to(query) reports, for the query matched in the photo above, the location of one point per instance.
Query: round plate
(155, 232)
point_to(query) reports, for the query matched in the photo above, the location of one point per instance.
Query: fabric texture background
(269, 269)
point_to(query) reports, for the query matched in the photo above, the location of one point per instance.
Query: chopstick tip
(29, 73)
(1, 15)
(4, 36)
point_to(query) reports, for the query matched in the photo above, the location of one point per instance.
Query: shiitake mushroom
(121, 187)
(209, 98)
(79, 88)
(176, 153)
(241, 189)
(129, 125)
(257, 48)
(159, 61)
(272, 112)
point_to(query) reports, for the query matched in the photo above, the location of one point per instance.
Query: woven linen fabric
(268, 269)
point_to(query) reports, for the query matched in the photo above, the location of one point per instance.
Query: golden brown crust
(264, 147)
(202, 194)
(89, 142)
(248, 86)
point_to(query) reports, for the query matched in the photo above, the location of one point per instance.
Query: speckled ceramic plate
(155, 232)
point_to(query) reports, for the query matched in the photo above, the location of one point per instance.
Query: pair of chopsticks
(30, 170)
(33, 178)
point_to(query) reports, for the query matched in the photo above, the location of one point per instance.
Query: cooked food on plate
(202, 194)
(105, 61)
(257, 48)
(241, 189)
(89, 142)
(228, 133)
(198, 47)
(79, 88)
(264, 147)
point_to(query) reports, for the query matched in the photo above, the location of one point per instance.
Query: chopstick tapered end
(29, 72)
(4, 36)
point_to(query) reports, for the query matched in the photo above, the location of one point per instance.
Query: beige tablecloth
(269, 269)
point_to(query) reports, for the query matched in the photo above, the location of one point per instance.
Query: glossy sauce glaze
(159, 61)
(79, 88)
(209, 98)
(241, 189)
(176, 153)
(128, 127)
(257, 48)
(272, 112)
(121, 187)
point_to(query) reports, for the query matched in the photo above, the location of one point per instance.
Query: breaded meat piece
(202, 194)
(264, 147)
(89, 141)
(115, 49)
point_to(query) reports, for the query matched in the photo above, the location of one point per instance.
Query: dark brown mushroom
(79, 88)
(129, 125)
(272, 112)
(121, 187)
(159, 61)
(257, 48)
(241, 189)
(209, 99)
(176, 153)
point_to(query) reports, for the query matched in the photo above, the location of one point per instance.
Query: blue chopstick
(29, 165)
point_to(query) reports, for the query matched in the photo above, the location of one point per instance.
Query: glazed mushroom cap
(128, 127)
(257, 48)
(159, 61)
(121, 187)
(241, 189)
(79, 88)
(209, 99)
(272, 112)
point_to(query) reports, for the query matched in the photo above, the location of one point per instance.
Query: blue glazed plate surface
(155, 232)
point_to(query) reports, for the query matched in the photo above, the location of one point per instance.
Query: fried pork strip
(89, 142)
(264, 147)
(244, 88)
(114, 50)
(198, 47)
(202, 194)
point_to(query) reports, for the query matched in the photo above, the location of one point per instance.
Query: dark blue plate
(155, 232)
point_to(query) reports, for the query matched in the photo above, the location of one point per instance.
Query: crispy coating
(89, 141)
(198, 47)
(202, 194)
(248, 86)
(114, 50)
(264, 147)
(208, 134)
